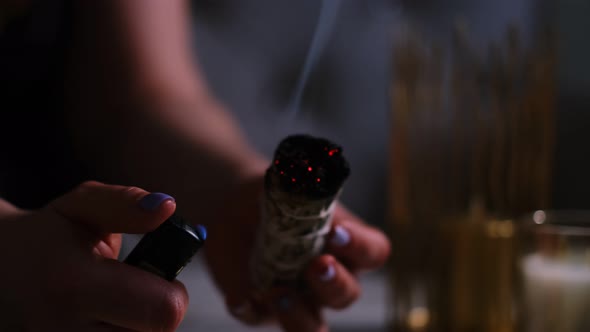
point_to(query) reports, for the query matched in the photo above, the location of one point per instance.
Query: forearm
(181, 155)
(144, 116)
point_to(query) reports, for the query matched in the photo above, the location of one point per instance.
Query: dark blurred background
(253, 53)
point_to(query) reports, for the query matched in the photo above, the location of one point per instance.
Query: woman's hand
(59, 268)
(330, 278)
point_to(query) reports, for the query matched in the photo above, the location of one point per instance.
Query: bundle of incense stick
(301, 188)
(471, 147)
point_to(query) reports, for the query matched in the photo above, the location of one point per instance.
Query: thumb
(114, 209)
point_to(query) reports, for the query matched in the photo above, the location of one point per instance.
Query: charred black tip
(309, 166)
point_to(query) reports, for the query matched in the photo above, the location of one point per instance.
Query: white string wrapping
(292, 231)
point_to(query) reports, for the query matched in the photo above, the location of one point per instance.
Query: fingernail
(328, 274)
(284, 303)
(245, 312)
(201, 232)
(341, 236)
(242, 310)
(152, 201)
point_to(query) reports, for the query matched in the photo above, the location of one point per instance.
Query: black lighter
(168, 249)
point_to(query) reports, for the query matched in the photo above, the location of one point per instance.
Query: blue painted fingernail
(284, 303)
(328, 274)
(241, 310)
(341, 236)
(152, 201)
(201, 232)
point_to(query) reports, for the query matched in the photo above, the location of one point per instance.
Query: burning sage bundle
(301, 188)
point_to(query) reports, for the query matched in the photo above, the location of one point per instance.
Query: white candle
(557, 294)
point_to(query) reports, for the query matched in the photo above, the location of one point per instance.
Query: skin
(65, 276)
(141, 113)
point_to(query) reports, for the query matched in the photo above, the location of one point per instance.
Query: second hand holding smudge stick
(301, 188)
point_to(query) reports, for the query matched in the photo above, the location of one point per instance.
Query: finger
(250, 311)
(114, 209)
(332, 285)
(8, 210)
(109, 246)
(296, 315)
(130, 298)
(102, 327)
(357, 244)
